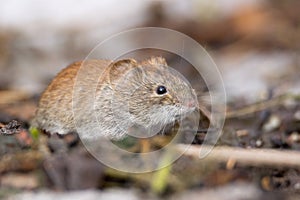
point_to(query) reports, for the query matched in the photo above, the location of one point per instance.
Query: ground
(256, 157)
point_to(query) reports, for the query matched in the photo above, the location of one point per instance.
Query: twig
(12, 96)
(260, 106)
(246, 157)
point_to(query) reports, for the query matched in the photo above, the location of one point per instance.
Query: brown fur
(101, 97)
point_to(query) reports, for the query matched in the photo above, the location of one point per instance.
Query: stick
(259, 106)
(246, 157)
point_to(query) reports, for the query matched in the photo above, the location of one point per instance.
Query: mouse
(105, 98)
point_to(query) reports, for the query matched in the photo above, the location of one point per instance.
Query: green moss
(34, 132)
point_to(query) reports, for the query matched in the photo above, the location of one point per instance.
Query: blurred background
(254, 43)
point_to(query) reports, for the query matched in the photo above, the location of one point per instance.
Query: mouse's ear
(120, 67)
(156, 61)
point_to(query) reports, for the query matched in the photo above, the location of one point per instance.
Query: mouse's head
(153, 93)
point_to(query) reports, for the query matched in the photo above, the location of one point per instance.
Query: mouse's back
(54, 113)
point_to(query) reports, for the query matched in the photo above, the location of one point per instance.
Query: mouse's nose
(191, 103)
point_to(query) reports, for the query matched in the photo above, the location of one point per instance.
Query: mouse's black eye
(161, 90)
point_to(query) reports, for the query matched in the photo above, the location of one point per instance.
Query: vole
(106, 98)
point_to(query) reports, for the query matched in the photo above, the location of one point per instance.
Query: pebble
(294, 137)
(272, 124)
(297, 115)
(259, 143)
(297, 186)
